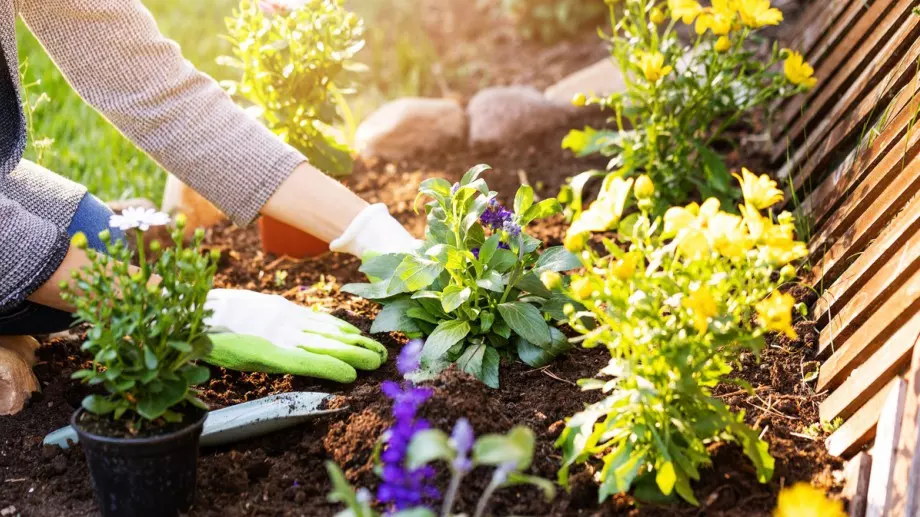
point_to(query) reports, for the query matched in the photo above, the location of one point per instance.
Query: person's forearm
(315, 203)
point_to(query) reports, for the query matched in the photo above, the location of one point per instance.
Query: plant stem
(484, 499)
(452, 489)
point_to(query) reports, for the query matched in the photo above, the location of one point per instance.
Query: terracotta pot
(283, 239)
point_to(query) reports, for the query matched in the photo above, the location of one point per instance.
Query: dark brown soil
(283, 474)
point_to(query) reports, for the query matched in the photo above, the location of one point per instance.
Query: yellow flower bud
(551, 279)
(656, 16)
(155, 246)
(181, 221)
(575, 241)
(644, 187)
(722, 44)
(582, 288)
(199, 233)
(568, 309)
(787, 272)
(579, 99)
(79, 241)
(105, 236)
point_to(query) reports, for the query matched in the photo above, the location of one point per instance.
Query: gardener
(113, 54)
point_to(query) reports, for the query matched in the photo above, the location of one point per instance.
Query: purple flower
(503, 246)
(454, 188)
(511, 228)
(475, 252)
(495, 215)
(410, 357)
(400, 487)
(463, 437)
(500, 475)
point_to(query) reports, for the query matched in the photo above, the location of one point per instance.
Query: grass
(89, 150)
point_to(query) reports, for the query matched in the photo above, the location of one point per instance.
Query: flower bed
(283, 474)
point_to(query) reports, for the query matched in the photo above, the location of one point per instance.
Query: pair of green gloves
(257, 332)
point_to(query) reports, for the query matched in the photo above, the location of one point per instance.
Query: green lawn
(86, 147)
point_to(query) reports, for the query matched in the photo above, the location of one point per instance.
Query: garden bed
(283, 474)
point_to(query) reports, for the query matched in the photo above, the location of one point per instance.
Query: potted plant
(140, 435)
(290, 56)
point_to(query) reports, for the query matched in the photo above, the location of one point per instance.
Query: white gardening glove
(268, 333)
(374, 231)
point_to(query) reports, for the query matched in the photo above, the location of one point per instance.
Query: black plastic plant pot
(143, 477)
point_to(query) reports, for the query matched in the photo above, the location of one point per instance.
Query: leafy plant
(412, 446)
(474, 286)
(291, 60)
(676, 300)
(680, 100)
(552, 20)
(145, 335)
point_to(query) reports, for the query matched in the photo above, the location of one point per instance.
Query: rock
(137, 202)
(180, 198)
(601, 79)
(17, 381)
(502, 114)
(408, 126)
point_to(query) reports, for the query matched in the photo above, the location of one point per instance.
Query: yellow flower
(798, 71)
(624, 267)
(79, 241)
(582, 288)
(687, 10)
(722, 44)
(676, 219)
(803, 500)
(775, 313)
(728, 236)
(758, 13)
(759, 191)
(703, 306)
(693, 243)
(575, 241)
(551, 279)
(644, 187)
(579, 100)
(656, 16)
(652, 66)
(716, 22)
(603, 213)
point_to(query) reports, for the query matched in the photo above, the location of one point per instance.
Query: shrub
(680, 99)
(291, 60)
(552, 20)
(145, 336)
(474, 285)
(675, 299)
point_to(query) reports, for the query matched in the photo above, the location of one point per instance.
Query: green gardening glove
(268, 333)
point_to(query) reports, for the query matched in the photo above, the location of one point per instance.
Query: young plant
(291, 56)
(679, 100)
(676, 300)
(145, 337)
(474, 286)
(407, 488)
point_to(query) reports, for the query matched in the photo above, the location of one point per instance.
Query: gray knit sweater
(113, 54)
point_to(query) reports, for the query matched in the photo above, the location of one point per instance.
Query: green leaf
(488, 248)
(486, 318)
(414, 273)
(481, 361)
(526, 320)
(496, 449)
(153, 406)
(181, 346)
(490, 363)
(473, 174)
(428, 446)
(523, 199)
(454, 296)
(557, 258)
(381, 267)
(538, 357)
(196, 374)
(374, 291)
(532, 284)
(541, 210)
(414, 512)
(475, 212)
(393, 318)
(666, 477)
(150, 359)
(421, 313)
(622, 470)
(492, 281)
(98, 404)
(546, 486)
(446, 335)
(503, 260)
(529, 244)
(435, 187)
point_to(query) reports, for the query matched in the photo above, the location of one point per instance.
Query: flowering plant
(411, 446)
(291, 55)
(679, 100)
(804, 500)
(474, 286)
(675, 299)
(145, 336)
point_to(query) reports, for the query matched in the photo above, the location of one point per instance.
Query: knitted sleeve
(113, 54)
(32, 250)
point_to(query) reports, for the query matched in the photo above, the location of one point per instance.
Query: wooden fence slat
(895, 312)
(868, 377)
(903, 499)
(870, 90)
(905, 261)
(886, 443)
(874, 273)
(857, 474)
(853, 230)
(837, 186)
(818, 23)
(860, 428)
(880, 31)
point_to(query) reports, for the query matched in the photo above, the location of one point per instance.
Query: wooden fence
(848, 150)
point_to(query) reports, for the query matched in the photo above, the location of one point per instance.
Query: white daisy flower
(136, 217)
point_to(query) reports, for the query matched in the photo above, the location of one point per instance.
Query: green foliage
(291, 60)
(676, 300)
(549, 21)
(145, 337)
(679, 100)
(474, 286)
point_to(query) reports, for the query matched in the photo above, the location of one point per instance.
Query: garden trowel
(242, 421)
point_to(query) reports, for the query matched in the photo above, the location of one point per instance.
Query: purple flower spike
(410, 357)
(500, 475)
(503, 246)
(463, 437)
(495, 215)
(475, 252)
(454, 188)
(512, 229)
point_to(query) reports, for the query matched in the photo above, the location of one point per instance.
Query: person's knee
(91, 218)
